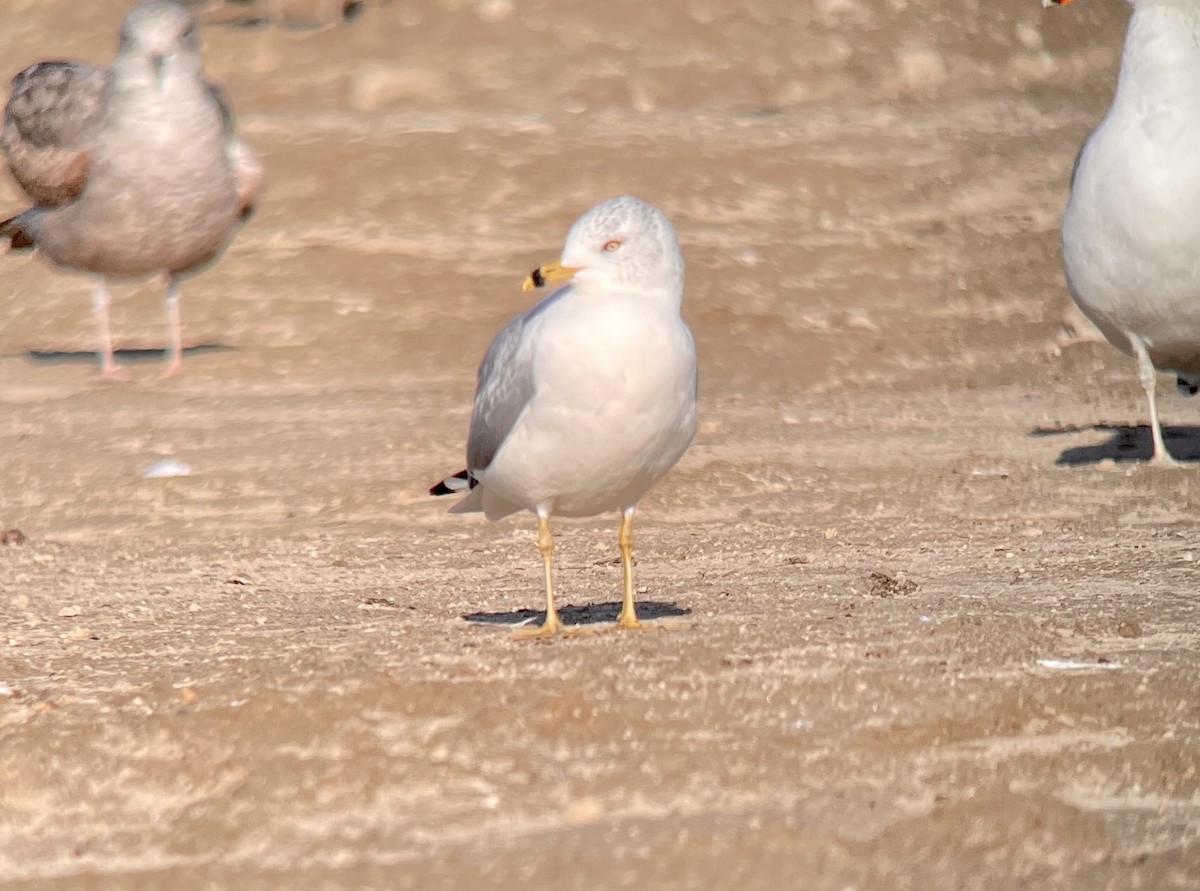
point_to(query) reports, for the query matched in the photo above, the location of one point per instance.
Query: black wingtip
(452, 484)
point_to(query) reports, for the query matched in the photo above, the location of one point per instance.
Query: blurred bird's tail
(478, 497)
(463, 481)
(452, 485)
(14, 230)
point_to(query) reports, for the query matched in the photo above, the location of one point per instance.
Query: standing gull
(1131, 230)
(133, 171)
(586, 400)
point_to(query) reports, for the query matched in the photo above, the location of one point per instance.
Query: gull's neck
(668, 294)
(133, 76)
(1162, 53)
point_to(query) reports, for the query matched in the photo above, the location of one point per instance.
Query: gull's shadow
(248, 17)
(589, 614)
(1127, 443)
(125, 355)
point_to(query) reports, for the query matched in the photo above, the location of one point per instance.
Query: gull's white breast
(613, 407)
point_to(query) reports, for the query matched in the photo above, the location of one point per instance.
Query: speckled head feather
(625, 243)
(155, 35)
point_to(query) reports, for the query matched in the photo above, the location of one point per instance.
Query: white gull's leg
(627, 618)
(1149, 377)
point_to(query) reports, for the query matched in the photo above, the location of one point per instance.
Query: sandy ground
(926, 620)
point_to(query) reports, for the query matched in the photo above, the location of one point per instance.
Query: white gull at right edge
(1131, 230)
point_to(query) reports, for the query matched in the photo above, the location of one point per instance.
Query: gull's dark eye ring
(612, 245)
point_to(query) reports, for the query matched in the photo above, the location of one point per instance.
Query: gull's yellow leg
(551, 625)
(627, 618)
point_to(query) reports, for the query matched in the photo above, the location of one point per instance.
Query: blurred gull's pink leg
(109, 369)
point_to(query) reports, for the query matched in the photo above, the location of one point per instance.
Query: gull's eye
(611, 246)
(189, 32)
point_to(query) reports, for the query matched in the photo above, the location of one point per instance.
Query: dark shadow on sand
(1127, 443)
(590, 614)
(235, 17)
(123, 356)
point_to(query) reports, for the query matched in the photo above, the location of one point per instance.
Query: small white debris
(168, 467)
(1072, 665)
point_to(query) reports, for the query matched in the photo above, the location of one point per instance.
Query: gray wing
(247, 171)
(504, 388)
(52, 111)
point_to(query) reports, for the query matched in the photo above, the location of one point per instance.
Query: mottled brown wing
(52, 111)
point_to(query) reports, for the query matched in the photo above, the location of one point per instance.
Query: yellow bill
(548, 274)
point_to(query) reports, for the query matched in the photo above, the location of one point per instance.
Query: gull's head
(622, 244)
(158, 37)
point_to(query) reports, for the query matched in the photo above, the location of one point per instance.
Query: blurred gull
(1131, 230)
(133, 171)
(586, 400)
